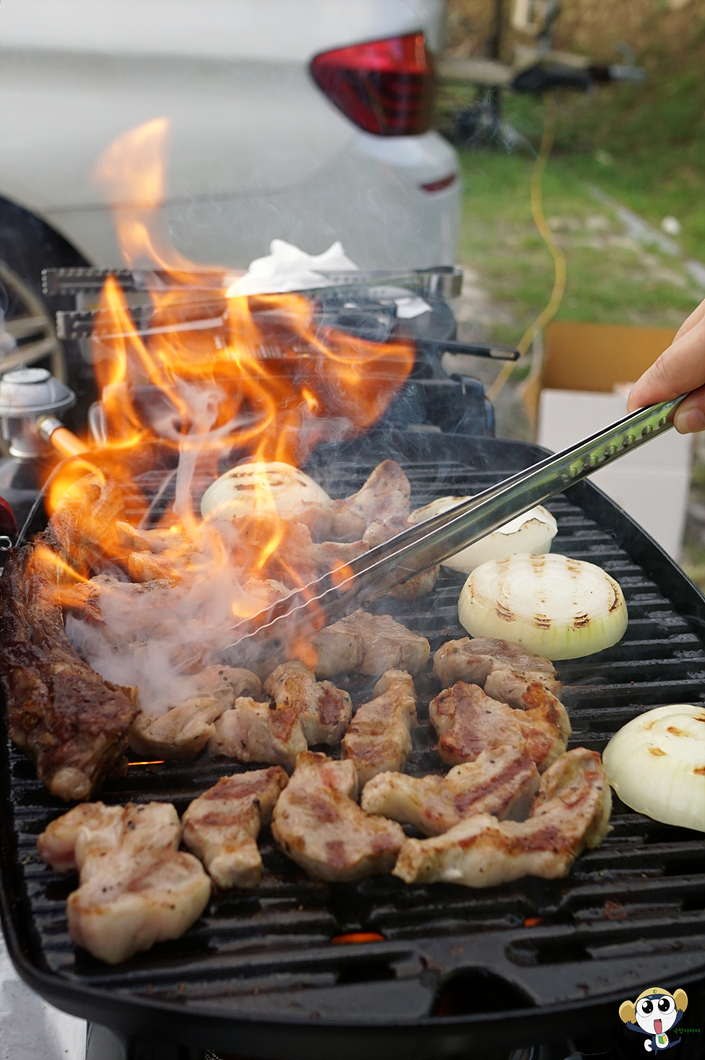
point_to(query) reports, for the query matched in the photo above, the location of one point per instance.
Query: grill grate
(630, 912)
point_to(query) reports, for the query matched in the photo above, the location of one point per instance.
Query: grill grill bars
(629, 913)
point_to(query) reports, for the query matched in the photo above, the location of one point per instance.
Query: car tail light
(385, 87)
(440, 185)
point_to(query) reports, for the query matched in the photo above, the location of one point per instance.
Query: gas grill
(366, 305)
(439, 971)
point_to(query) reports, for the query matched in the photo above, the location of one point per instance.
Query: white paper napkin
(286, 268)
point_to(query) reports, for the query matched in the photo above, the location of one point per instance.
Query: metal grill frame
(532, 982)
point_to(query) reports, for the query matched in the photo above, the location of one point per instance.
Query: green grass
(654, 133)
(652, 138)
(610, 279)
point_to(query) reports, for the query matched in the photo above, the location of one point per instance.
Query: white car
(306, 120)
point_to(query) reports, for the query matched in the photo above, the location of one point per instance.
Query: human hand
(680, 369)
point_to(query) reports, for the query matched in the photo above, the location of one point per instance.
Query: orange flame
(213, 373)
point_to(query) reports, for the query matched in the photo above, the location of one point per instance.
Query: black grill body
(455, 404)
(458, 971)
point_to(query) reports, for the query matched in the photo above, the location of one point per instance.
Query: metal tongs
(374, 573)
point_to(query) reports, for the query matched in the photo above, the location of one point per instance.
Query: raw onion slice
(558, 607)
(656, 764)
(531, 532)
(260, 486)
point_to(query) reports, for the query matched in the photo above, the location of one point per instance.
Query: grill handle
(422, 546)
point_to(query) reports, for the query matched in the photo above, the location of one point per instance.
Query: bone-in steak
(66, 718)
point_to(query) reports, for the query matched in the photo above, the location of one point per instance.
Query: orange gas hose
(60, 437)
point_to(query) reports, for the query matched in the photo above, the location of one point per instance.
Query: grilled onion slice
(560, 608)
(656, 764)
(531, 532)
(260, 486)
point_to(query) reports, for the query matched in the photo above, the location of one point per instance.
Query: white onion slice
(531, 532)
(558, 607)
(260, 486)
(656, 764)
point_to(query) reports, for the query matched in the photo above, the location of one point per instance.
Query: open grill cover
(456, 969)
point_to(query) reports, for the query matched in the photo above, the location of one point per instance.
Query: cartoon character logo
(654, 1013)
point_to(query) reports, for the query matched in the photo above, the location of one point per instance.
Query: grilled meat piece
(157, 540)
(420, 584)
(502, 783)
(184, 731)
(504, 670)
(570, 812)
(221, 827)
(135, 887)
(368, 644)
(469, 722)
(65, 717)
(173, 566)
(384, 497)
(57, 843)
(318, 824)
(85, 521)
(257, 732)
(83, 598)
(540, 709)
(331, 521)
(379, 736)
(328, 555)
(296, 559)
(324, 711)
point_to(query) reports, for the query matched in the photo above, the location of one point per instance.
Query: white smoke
(156, 636)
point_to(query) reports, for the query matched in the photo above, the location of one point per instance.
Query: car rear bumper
(370, 196)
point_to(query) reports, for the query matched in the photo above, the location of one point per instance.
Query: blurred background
(623, 193)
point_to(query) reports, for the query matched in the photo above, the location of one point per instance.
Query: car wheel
(28, 245)
(29, 324)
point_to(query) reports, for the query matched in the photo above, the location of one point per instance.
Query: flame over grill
(215, 374)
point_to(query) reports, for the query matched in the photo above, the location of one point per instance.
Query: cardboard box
(582, 365)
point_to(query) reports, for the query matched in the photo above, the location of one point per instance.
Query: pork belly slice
(297, 558)
(420, 584)
(368, 644)
(468, 722)
(159, 539)
(384, 497)
(66, 718)
(379, 736)
(222, 825)
(324, 711)
(135, 887)
(184, 731)
(502, 783)
(331, 521)
(84, 524)
(570, 812)
(318, 824)
(258, 732)
(57, 843)
(504, 670)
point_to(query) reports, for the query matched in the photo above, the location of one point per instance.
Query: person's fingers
(690, 414)
(695, 317)
(679, 369)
